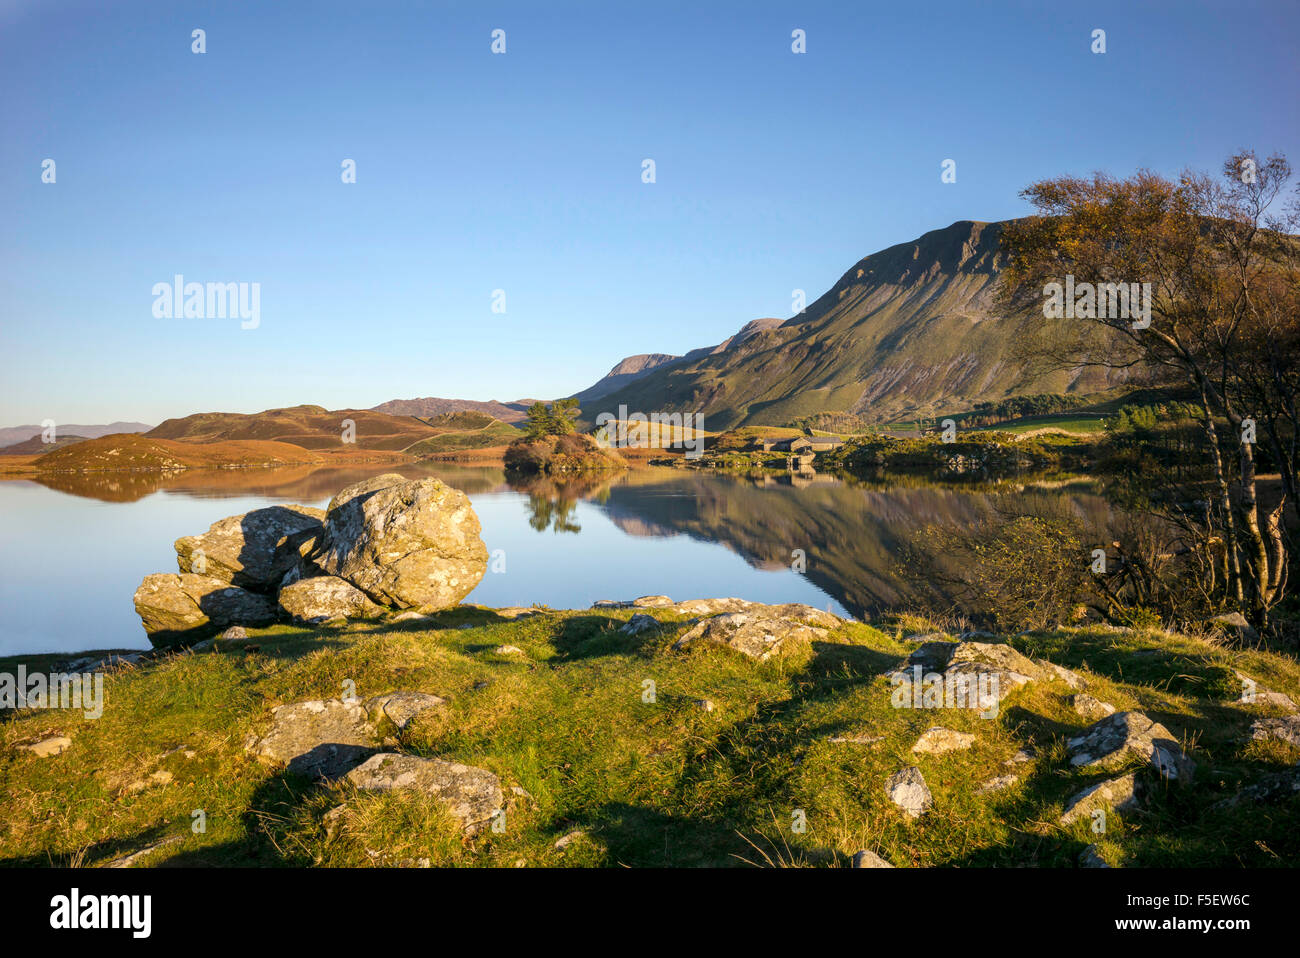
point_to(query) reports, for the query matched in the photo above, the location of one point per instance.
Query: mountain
(510, 412)
(311, 427)
(911, 330)
(635, 367)
(14, 434)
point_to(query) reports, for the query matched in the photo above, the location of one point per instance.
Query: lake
(73, 548)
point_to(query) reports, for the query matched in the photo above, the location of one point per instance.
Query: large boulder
(470, 795)
(253, 550)
(1117, 739)
(186, 607)
(410, 544)
(324, 598)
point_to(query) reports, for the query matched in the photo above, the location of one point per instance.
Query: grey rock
(318, 738)
(1117, 794)
(324, 598)
(1282, 729)
(471, 795)
(1116, 739)
(253, 550)
(1234, 624)
(186, 607)
(906, 788)
(410, 544)
(639, 623)
(762, 631)
(1054, 671)
(1091, 708)
(1090, 857)
(402, 708)
(869, 859)
(937, 740)
(998, 783)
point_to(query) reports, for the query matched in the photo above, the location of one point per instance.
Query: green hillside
(906, 332)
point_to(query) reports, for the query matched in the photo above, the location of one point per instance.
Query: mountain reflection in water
(568, 543)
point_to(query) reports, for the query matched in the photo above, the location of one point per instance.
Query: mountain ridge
(909, 330)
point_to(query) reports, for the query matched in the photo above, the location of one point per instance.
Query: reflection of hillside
(305, 483)
(851, 534)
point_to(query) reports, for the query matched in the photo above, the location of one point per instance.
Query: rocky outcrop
(326, 598)
(410, 544)
(986, 670)
(179, 608)
(470, 795)
(253, 550)
(761, 631)
(1119, 738)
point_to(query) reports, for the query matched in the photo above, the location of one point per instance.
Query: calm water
(73, 550)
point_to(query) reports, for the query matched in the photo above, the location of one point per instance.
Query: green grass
(1089, 423)
(495, 433)
(651, 784)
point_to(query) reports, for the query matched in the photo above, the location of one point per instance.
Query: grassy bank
(662, 783)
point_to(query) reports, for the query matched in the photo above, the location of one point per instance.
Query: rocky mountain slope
(632, 368)
(911, 330)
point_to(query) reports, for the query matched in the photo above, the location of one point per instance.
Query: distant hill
(635, 367)
(510, 412)
(311, 427)
(37, 446)
(905, 331)
(463, 431)
(12, 434)
(128, 452)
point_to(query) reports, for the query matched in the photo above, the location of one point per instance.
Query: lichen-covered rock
(253, 550)
(470, 795)
(185, 607)
(323, 598)
(1283, 729)
(1117, 739)
(937, 740)
(994, 670)
(906, 788)
(762, 631)
(1091, 708)
(1053, 671)
(318, 738)
(402, 708)
(410, 544)
(1117, 794)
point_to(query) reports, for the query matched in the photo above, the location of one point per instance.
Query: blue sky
(522, 172)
